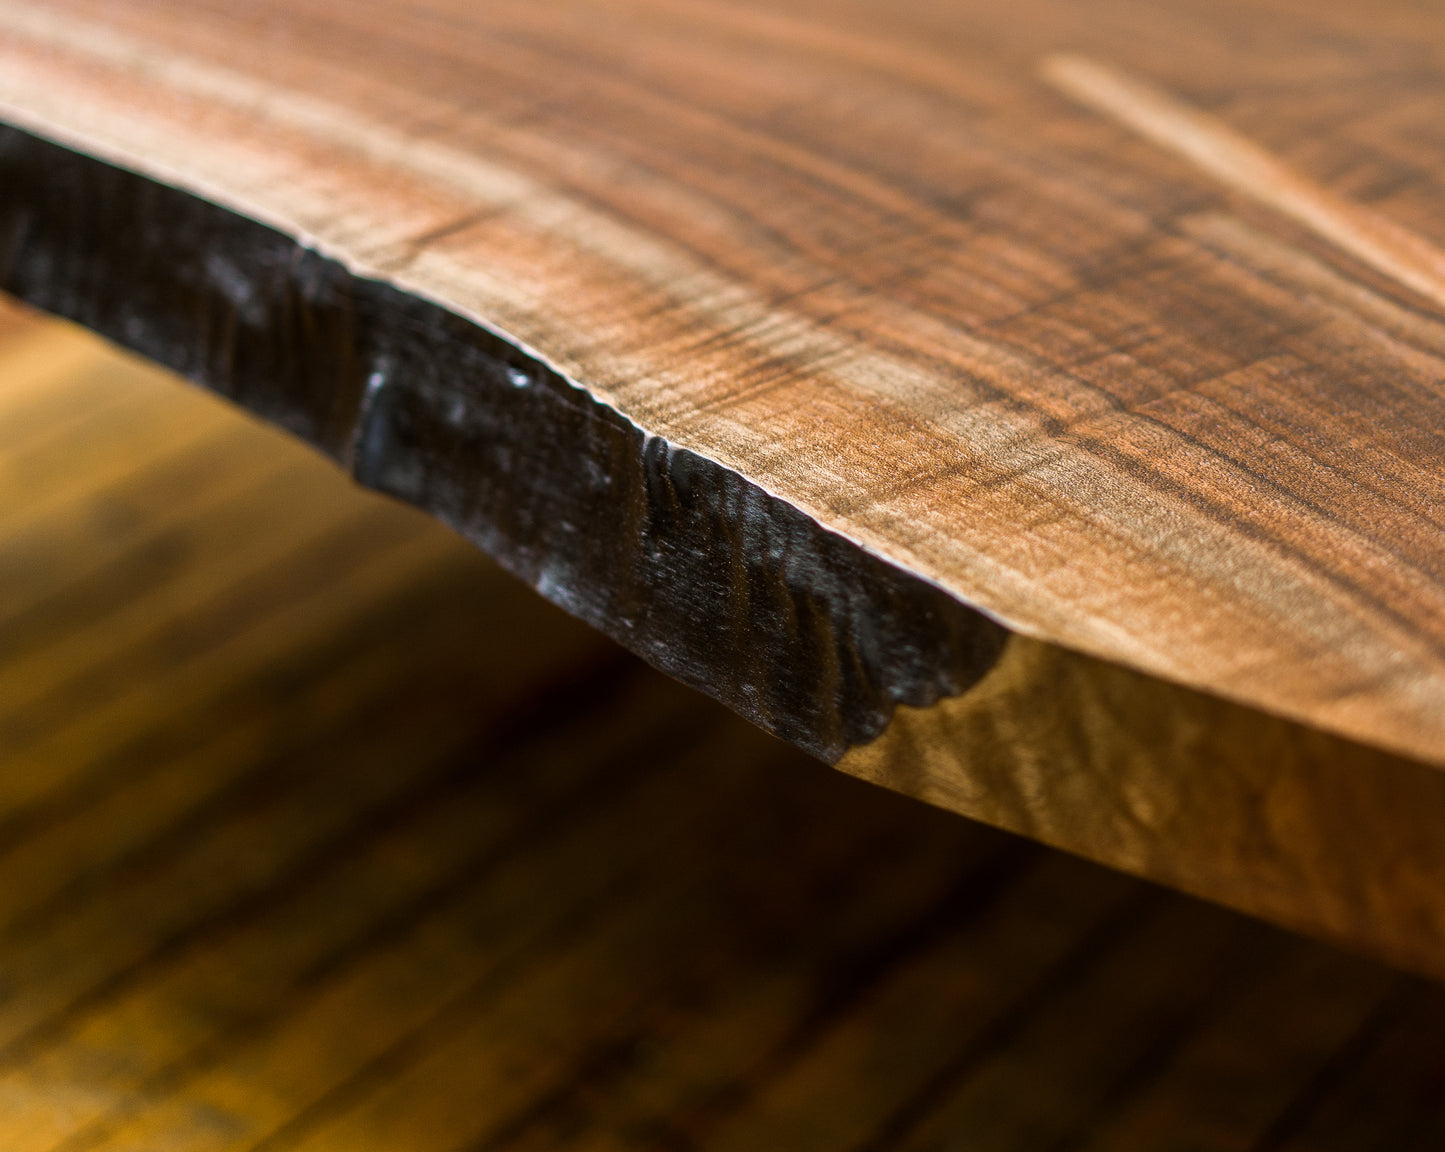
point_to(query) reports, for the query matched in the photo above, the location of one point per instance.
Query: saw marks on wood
(317, 832)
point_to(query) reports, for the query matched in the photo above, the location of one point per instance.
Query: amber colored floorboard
(317, 832)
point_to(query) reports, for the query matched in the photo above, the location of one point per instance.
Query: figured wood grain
(1110, 338)
(1330, 837)
(392, 856)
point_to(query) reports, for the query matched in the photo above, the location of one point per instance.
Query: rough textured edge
(685, 562)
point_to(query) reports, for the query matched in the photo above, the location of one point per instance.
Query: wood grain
(869, 356)
(314, 839)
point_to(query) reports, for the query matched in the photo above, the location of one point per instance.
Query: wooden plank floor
(317, 832)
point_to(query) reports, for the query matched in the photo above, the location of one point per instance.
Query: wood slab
(1031, 406)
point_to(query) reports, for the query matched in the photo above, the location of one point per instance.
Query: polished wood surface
(1324, 835)
(318, 832)
(1121, 321)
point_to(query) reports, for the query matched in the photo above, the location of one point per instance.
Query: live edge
(683, 561)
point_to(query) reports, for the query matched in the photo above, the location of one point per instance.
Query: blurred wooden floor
(317, 832)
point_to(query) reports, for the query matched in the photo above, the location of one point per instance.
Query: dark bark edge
(681, 560)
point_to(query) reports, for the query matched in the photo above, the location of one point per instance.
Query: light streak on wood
(1242, 165)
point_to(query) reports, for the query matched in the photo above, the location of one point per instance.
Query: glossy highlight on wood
(1244, 167)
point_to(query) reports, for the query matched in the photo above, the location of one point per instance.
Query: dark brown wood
(846, 359)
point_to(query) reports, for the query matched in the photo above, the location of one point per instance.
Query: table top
(840, 358)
